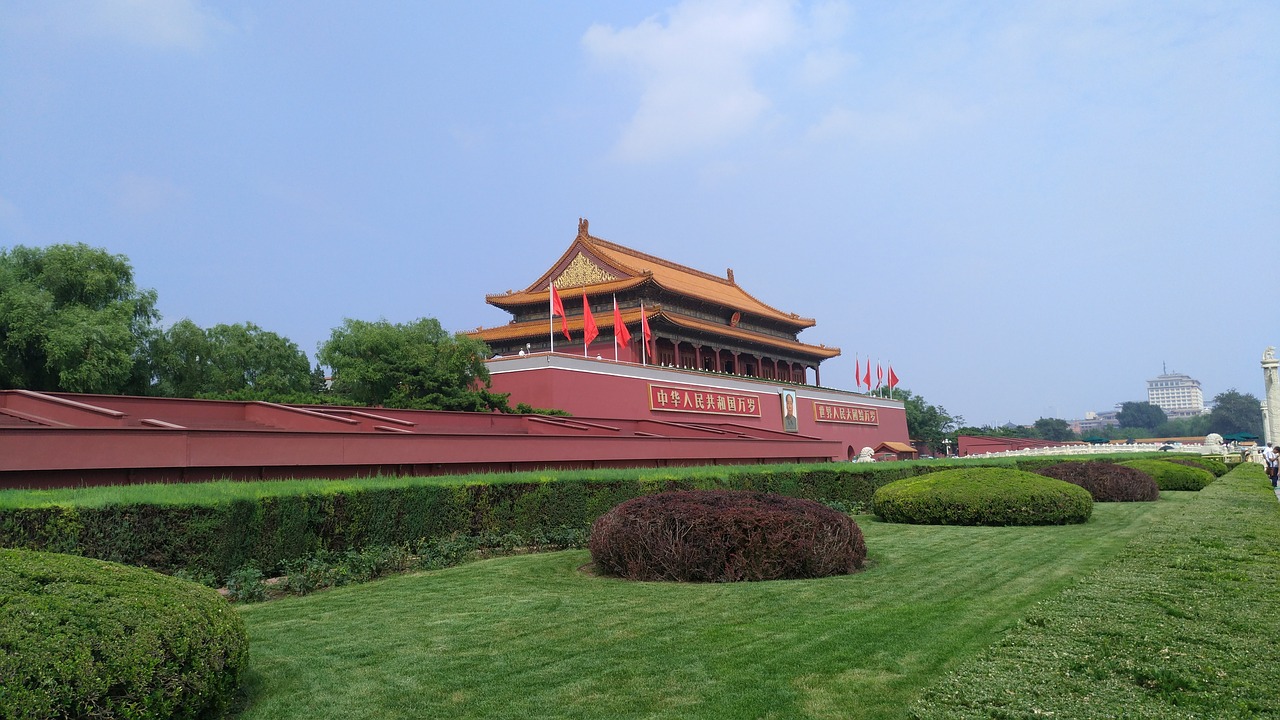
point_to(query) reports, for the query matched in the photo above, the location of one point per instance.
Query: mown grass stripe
(1181, 625)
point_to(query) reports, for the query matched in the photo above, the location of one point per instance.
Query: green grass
(535, 637)
(1183, 624)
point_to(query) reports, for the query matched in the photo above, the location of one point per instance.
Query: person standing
(1271, 458)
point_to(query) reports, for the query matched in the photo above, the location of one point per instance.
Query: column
(1271, 380)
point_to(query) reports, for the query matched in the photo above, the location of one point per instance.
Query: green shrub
(1212, 464)
(89, 638)
(725, 536)
(1172, 476)
(982, 496)
(1106, 482)
(245, 585)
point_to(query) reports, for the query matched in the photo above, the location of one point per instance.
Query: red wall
(591, 388)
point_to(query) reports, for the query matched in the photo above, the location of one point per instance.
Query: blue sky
(1027, 207)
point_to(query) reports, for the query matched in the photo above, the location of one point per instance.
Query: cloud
(157, 24)
(695, 68)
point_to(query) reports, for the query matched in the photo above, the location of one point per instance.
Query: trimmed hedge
(270, 532)
(1106, 482)
(1171, 475)
(1212, 464)
(725, 536)
(88, 638)
(983, 496)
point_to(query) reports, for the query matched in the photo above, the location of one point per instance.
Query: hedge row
(1172, 475)
(270, 532)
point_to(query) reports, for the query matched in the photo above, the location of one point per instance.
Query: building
(1177, 394)
(716, 352)
(698, 321)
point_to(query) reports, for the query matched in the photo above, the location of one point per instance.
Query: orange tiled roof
(604, 321)
(637, 267)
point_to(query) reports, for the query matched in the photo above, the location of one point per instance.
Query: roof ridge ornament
(729, 274)
(582, 228)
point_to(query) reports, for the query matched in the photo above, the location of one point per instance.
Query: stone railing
(1076, 449)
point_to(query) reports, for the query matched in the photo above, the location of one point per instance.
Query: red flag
(557, 308)
(645, 331)
(879, 375)
(893, 379)
(589, 331)
(619, 329)
(857, 372)
(866, 379)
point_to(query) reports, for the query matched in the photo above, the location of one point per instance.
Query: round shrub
(1171, 475)
(1213, 465)
(982, 496)
(90, 638)
(1105, 481)
(725, 536)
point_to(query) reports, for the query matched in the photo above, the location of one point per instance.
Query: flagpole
(551, 317)
(615, 327)
(644, 341)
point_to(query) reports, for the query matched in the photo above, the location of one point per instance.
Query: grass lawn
(536, 637)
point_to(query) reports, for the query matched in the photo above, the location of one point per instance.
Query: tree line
(72, 319)
(1233, 413)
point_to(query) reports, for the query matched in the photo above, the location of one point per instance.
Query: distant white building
(1177, 394)
(1093, 421)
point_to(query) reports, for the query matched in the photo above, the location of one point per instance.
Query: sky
(1028, 208)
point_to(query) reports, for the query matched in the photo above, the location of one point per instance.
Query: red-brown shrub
(725, 536)
(1106, 482)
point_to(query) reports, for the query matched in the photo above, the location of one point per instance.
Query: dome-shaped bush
(89, 638)
(982, 496)
(1171, 475)
(1105, 481)
(725, 536)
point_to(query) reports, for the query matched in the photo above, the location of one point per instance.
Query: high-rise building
(1177, 394)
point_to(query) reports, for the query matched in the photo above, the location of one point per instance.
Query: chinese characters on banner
(854, 414)
(701, 400)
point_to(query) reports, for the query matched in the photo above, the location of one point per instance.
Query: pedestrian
(1271, 457)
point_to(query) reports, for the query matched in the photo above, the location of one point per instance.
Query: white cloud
(695, 67)
(161, 24)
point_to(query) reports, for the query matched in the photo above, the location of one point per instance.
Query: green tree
(1142, 415)
(72, 319)
(1236, 412)
(414, 365)
(1197, 426)
(241, 360)
(930, 424)
(1054, 429)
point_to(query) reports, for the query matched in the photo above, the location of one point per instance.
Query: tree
(1196, 426)
(72, 319)
(1236, 412)
(930, 424)
(241, 360)
(414, 365)
(1141, 415)
(1054, 429)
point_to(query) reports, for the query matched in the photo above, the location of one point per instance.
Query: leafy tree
(1054, 429)
(1141, 415)
(414, 365)
(1236, 412)
(928, 423)
(240, 360)
(72, 319)
(1197, 426)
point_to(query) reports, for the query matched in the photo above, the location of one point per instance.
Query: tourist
(1271, 457)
